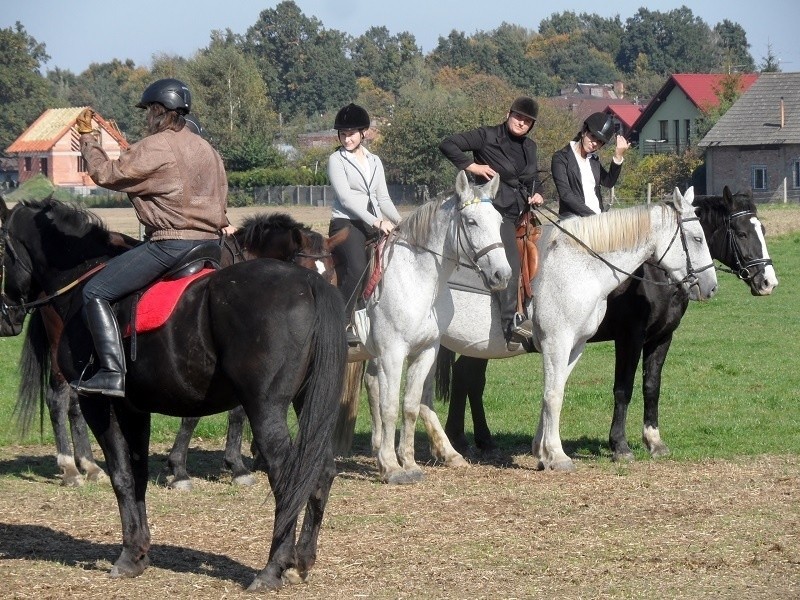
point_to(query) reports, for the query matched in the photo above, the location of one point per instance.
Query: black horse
(278, 236)
(641, 318)
(274, 235)
(214, 353)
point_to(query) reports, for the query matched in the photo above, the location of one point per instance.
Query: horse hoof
(293, 577)
(623, 457)
(404, 477)
(457, 462)
(72, 480)
(260, 584)
(125, 568)
(244, 480)
(562, 466)
(97, 476)
(182, 485)
(659, 451)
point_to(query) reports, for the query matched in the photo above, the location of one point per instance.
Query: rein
(742, 266)
(691, 272)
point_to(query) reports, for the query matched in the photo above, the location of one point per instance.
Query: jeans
(136, 268)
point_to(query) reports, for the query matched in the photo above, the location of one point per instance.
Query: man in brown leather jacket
(178, 187)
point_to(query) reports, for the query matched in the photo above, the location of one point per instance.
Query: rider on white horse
(505, 150)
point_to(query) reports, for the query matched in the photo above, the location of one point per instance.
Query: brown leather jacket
(175, 180)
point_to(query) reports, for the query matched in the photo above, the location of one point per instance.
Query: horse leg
(177, 475)
(374, 399)
(232, 461)
(306, 548)
(419, 367)
(57, 400)
(655, 355)
(454, 426)
(628, 349)
(440, 445)
(82, 446)
(389, 372)
(272, 439)
(124, 436)
(475, 371)
(558, 363)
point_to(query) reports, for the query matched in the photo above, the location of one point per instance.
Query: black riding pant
(351, 259)
(508, 297)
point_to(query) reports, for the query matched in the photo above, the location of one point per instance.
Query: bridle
(472, 255)
(742, 266)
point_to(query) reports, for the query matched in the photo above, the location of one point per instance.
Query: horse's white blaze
(320, 266)
(770, 278)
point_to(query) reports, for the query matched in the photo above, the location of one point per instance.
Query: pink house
(50, 146)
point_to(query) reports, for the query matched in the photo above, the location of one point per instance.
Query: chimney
(782, 113)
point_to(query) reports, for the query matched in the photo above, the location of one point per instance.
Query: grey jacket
(360, 196)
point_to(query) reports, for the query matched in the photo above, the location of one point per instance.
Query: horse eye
(472, 222)
(741, 234)
(699, 239)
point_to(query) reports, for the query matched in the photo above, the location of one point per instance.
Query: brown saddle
(529, 229)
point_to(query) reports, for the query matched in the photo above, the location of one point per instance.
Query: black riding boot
(110, 377)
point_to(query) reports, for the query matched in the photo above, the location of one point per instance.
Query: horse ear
(462, 183)
(727, 196)
(494, 185)
(337, 238)
(689, 195)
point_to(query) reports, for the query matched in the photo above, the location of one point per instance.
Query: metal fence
(320, 195)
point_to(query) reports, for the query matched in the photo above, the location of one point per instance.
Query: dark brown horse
(214, 353)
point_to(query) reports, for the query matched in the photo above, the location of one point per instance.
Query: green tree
(732, 39)
(232, 101)
(389, 61)
(673, 42)
(24, 93)
(303, 64)
(770, 63)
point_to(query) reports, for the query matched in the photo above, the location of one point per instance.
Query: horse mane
(609, 231)
(416, 227)
(70, 219)
(254, 228)
(715, 209)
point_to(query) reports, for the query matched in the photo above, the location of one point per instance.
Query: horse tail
(319, 401)
(348, 409)
(34, 369)
(444, 369)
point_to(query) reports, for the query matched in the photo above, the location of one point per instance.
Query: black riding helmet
(172, 93)
(527, 107)
(600, 125)
(351, 116)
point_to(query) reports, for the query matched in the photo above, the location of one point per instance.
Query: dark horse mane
(716, 210)
(254, 229)
(71, 219)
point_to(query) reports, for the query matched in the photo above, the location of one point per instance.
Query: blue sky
(79, 33)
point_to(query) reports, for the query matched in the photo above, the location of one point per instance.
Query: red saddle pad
(157, 303)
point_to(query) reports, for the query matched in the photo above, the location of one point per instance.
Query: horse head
(737, 238)
(16, 276)
(479, 230)
(690, 260)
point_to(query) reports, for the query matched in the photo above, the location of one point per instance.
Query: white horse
(582, 261)
(405, 311)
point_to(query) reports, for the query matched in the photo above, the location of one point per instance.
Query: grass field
(719, 519)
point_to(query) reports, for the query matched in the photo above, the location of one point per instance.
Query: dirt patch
(494, 530)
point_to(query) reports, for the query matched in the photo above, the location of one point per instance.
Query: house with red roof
(669, 121)
(51, 146)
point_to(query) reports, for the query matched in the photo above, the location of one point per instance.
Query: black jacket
(491, 146)
(567, 179)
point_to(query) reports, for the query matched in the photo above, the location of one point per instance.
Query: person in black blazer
(577, 172)
(506, 150)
